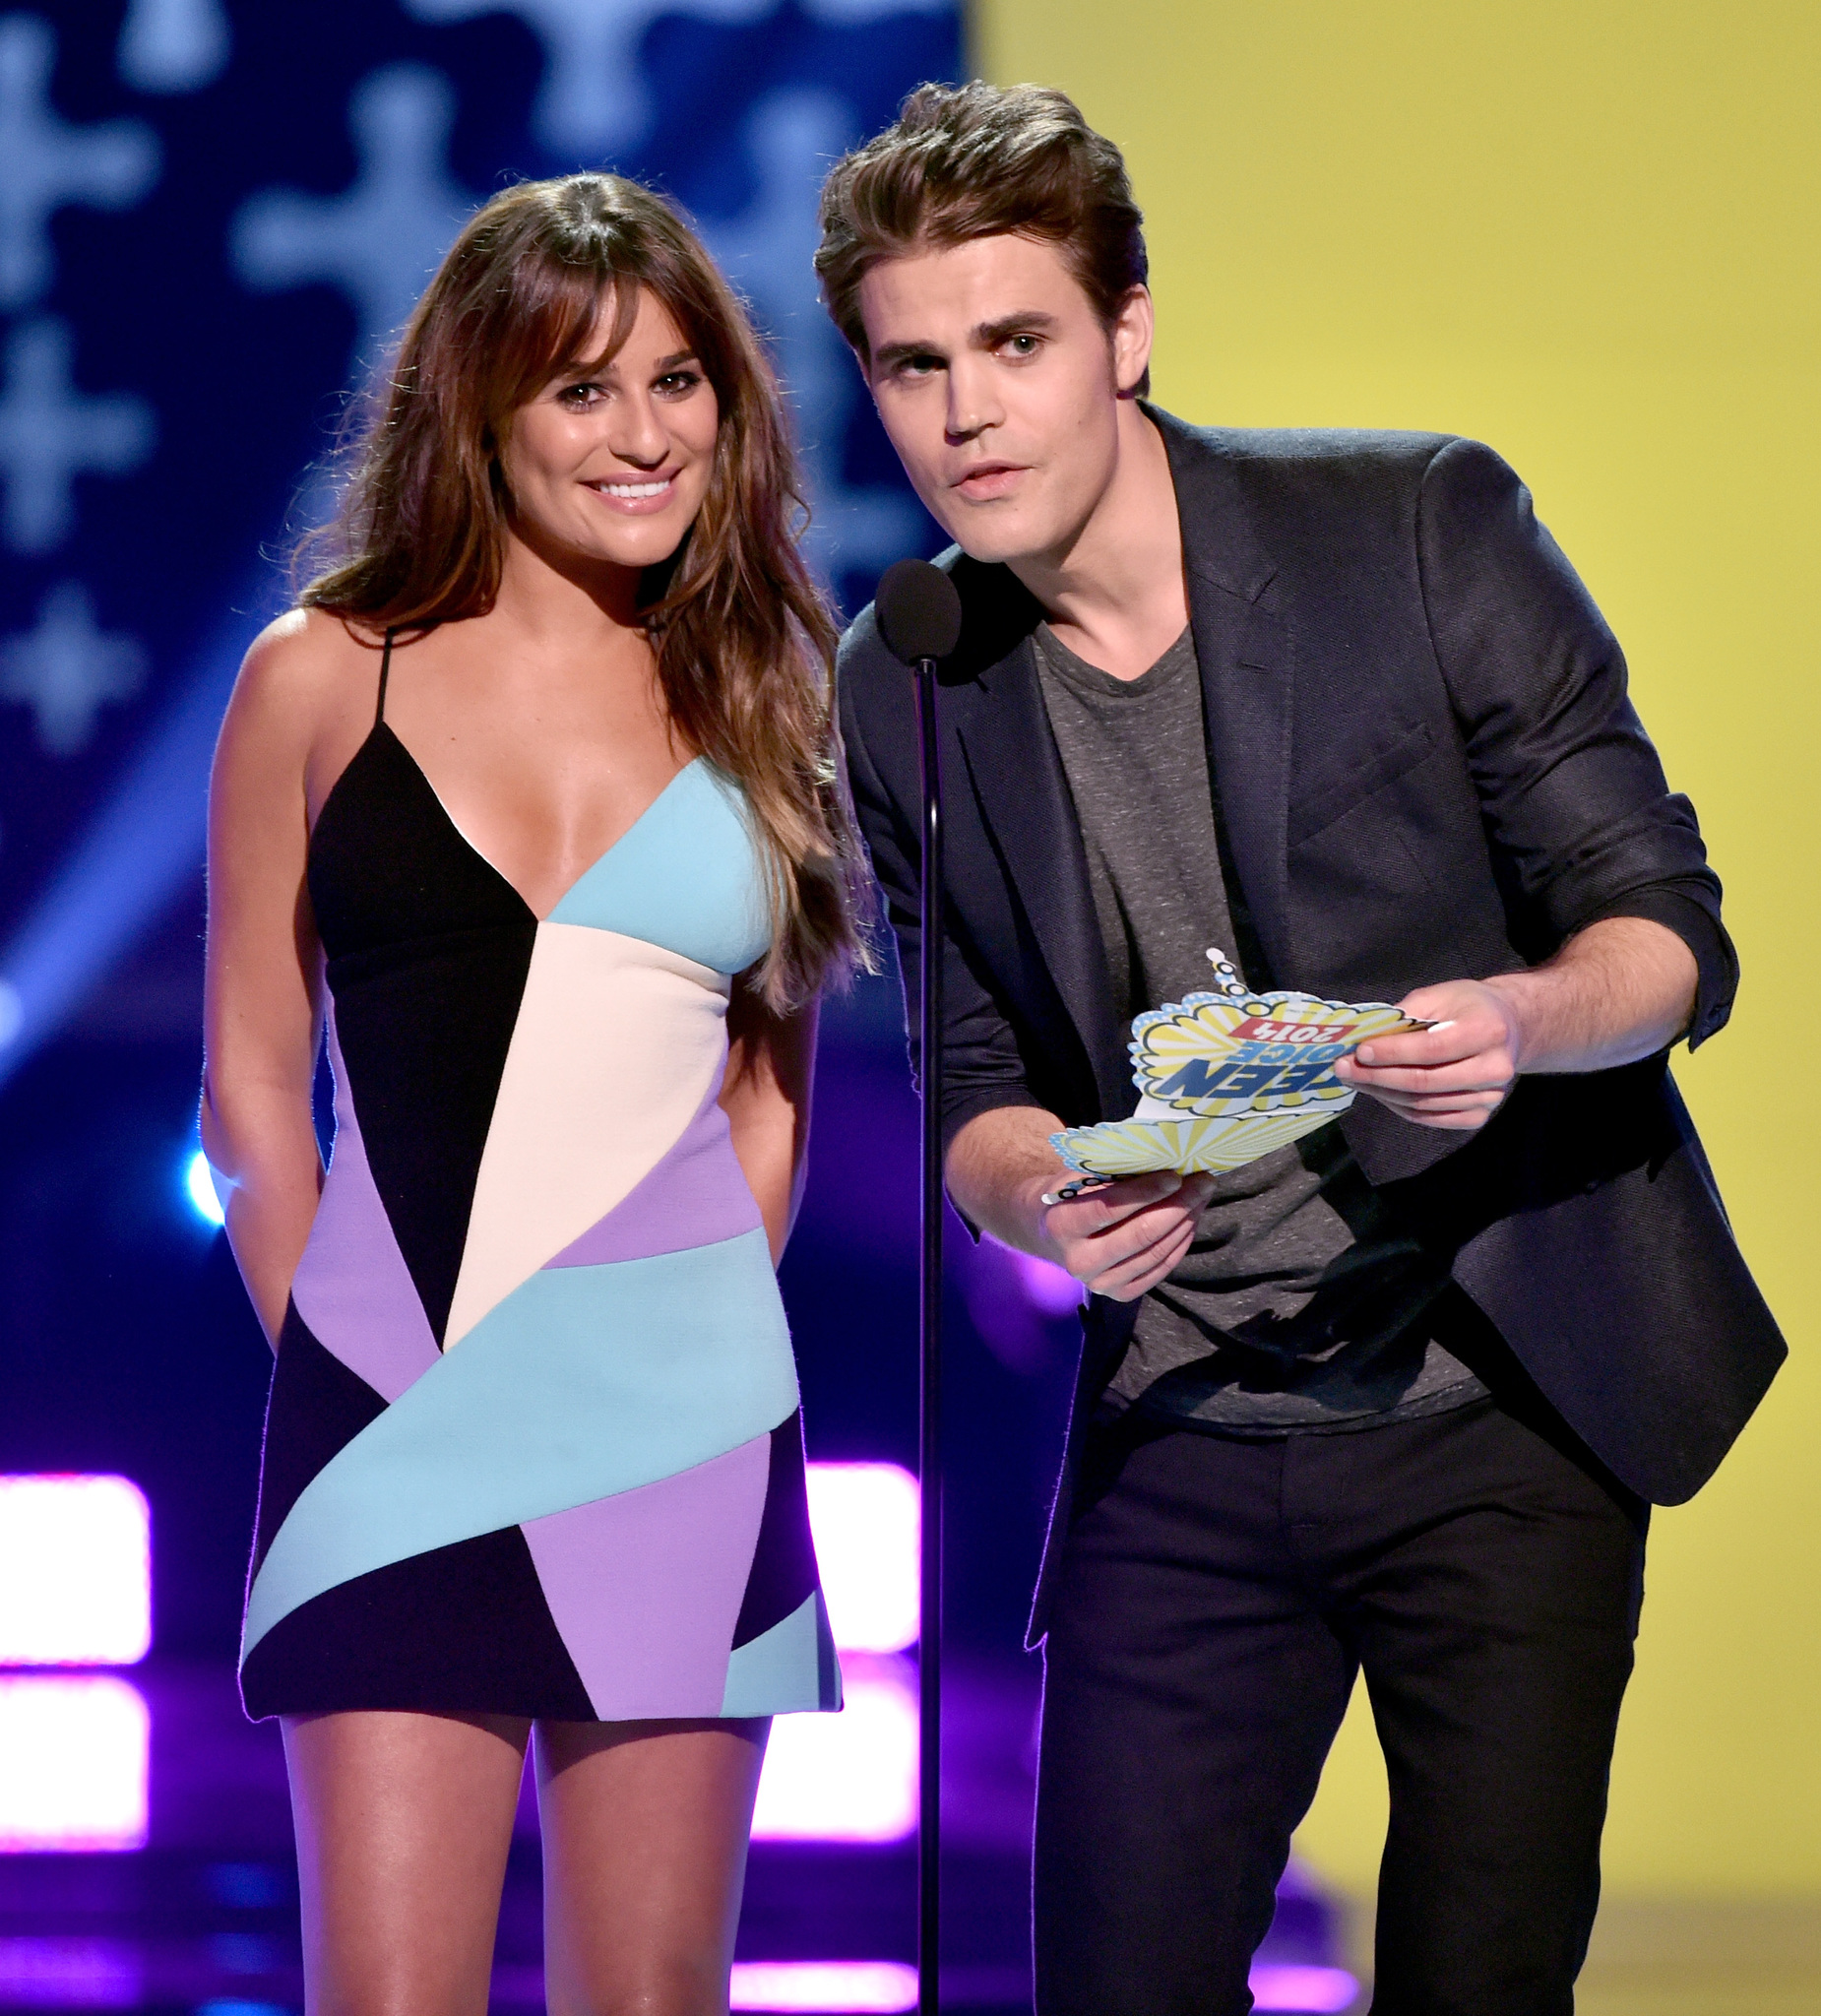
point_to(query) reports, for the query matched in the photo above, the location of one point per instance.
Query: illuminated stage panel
(853, 1776)
(855, 1987)
(73, 1755)
(847, 1777)
(866, 1520)
(1308, 1990)
(75, 1571)
(69, 1973)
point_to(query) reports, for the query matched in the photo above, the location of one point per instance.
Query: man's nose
(973, 405)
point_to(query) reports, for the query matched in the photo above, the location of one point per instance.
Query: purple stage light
(70, 1974)
(855, 1987)
(1308, 1990)
(853, 1776)
(866, 1520)
(73, 1755)
(847, 1777)
(75, 1571)
(1050, 1289)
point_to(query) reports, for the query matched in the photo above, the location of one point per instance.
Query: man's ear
(1133, 327)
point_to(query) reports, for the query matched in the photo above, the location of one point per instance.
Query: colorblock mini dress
(533, 1445)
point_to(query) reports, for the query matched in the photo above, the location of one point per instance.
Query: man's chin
(992, 539)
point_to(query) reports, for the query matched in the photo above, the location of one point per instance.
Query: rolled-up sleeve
(1579, 818)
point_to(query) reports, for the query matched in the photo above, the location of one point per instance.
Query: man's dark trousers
(1215, 1597)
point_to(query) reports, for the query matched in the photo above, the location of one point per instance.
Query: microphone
(919, 618)
(918, 611)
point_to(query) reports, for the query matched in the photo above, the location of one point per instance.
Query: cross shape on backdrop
(594, 102)
(51, 433)
(173, 45)
(768, 251)
(68, 668)
(381, 240)
(46, 164)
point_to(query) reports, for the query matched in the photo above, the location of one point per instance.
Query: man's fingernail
(1364, 1054)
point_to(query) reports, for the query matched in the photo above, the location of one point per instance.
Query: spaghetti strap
(385, 671)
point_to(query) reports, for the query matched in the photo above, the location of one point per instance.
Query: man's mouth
(989, 478)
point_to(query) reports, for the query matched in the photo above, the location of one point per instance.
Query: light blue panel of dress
(582, 1383)
(684, 875)
(790, 1670)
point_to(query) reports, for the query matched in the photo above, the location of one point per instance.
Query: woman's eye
(577, 397)
(679, 381)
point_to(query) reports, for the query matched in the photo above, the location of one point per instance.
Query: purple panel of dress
(353, 1287)
(696, 1195)
(645, 1585)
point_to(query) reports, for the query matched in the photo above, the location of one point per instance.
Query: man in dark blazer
(1397, 1399)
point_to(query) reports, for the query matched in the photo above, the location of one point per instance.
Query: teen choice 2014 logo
(1212, 1054)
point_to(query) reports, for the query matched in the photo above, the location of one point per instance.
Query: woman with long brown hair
(528, 811)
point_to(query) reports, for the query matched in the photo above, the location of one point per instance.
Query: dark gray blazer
(1425, 768)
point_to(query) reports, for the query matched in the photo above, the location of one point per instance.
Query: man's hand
(1126, 1237)
(1621, 990)
(1457, 1074)
(1121, 1240)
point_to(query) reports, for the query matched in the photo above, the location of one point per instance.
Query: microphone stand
(930, 1328)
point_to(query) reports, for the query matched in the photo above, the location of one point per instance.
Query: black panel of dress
(427, 947)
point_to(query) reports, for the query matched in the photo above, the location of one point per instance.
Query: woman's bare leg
(644, 1827)
(403, 1822)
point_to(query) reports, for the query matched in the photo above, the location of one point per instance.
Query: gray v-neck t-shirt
(1298, 1307)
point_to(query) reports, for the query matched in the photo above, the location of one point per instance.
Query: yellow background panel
(1587, 233)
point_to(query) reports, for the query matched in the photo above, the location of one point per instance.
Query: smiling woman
(525, 813)
(586, 301)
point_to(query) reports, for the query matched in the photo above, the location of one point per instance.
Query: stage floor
(204, 1918)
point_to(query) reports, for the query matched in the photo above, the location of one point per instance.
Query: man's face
(998, 385)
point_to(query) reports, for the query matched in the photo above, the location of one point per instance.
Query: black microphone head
(918, 611)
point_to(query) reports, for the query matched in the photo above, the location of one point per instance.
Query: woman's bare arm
(263, 978)
(771, 1063)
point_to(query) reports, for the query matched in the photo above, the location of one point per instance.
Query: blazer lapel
(1015, 771)
(1247, 673)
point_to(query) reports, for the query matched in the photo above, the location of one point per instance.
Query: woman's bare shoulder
(306, 668)
(302, 705)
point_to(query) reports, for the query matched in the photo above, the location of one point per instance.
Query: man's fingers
(1145, 1238)
(1476, 1074)
(1467, 1112)
(1448, 1042)
(1132, 1277)
(1098, 1209)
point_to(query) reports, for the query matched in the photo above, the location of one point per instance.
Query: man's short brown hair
(979, 161)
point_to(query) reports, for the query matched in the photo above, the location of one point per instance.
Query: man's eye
(1024, 346)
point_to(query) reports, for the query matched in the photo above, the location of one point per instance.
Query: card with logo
(1136, 1147)
(1247, 1073)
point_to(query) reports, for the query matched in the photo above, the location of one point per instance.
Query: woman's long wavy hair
(744, 642)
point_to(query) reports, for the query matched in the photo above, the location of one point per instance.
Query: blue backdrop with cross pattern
(211, 220)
